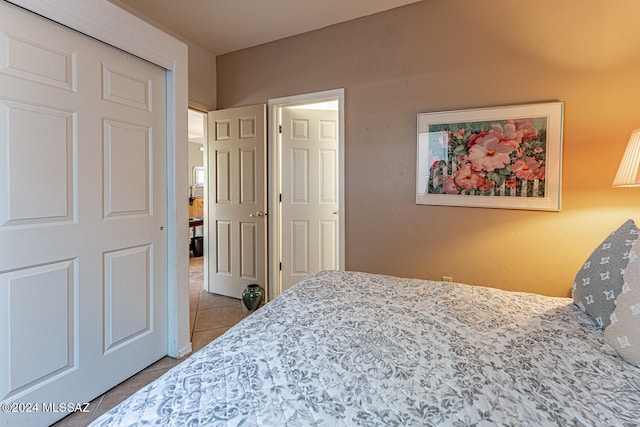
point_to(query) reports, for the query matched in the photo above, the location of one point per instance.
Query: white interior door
(83, 253)
(310, 193)
(236, 167)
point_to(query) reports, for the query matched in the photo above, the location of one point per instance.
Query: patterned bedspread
(356, 349)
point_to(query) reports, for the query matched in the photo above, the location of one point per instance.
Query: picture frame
(198, 177)
(504, 157)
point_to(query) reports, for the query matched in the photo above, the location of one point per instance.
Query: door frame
(113, 25)
(274, 179)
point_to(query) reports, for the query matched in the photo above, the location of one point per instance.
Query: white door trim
(108, 23)
(273, 191)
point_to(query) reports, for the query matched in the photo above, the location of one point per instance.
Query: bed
(359, 349)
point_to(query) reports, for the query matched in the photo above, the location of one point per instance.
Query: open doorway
(306, 187)
(197, 138)
(302, 180)
(211, 314)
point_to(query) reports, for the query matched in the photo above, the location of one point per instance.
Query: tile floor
(211, 316)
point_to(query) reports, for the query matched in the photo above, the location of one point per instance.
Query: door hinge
(280, 197)
(280, 129)
(280, 266)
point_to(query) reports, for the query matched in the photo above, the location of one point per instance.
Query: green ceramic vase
(252, 296)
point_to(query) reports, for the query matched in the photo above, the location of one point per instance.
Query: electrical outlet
(447, 279)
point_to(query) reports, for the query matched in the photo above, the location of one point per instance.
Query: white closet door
(83, 249)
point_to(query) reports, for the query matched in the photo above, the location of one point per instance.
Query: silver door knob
(258, 214)
(336, 212)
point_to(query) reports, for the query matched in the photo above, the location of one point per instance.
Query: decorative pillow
(623, 333)
(599, 281)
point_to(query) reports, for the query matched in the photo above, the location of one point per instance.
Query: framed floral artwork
(506, 157)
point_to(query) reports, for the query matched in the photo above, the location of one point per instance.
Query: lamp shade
(629, 170)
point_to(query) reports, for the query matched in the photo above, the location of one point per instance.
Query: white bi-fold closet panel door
(83, 210)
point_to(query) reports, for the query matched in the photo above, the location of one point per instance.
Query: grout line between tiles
(93, 413)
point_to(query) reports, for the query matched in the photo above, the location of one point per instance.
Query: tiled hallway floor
(210, 316)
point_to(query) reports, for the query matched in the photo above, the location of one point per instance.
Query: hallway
(211, 314)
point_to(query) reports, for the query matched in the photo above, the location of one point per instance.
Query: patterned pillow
(599, 281)
(623, 333)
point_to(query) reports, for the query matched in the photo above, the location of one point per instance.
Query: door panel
(127, 290)
(222, 178)
(237, 199)
(83, 190)
(328, 245)
(248, 245)
(309, 208)
(248, 181)
(54, 283)
(46, 136)
(299, 260)
(126, 169)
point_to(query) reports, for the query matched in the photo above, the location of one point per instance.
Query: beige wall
(202, 78)
(454, 54)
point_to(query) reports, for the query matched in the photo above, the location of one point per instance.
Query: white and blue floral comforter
(356, 349)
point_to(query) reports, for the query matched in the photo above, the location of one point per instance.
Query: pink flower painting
(491, 158)
(489, 153)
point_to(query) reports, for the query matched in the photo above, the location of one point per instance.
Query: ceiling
(222, 26)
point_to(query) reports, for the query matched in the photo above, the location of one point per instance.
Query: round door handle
(336, 212)
(258, 214)
(161, 227)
